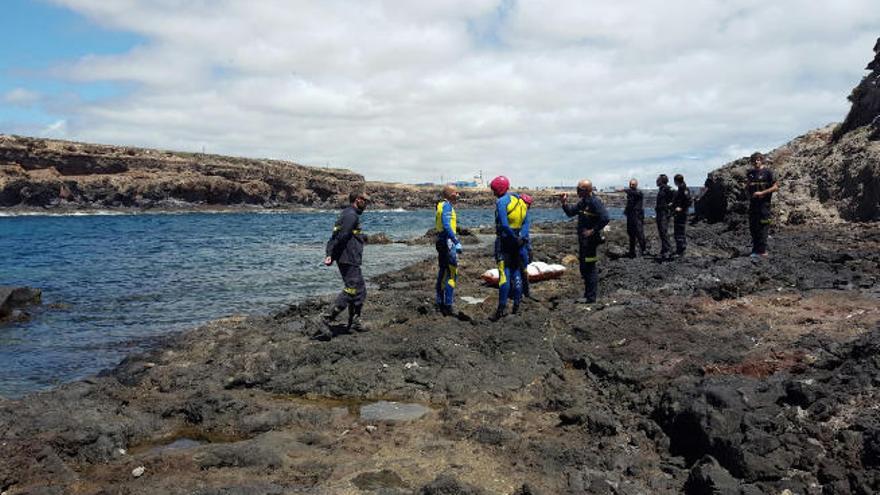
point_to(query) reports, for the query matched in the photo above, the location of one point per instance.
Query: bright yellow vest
(438, 219)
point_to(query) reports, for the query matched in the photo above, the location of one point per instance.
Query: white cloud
(20, 97)
(541, 91)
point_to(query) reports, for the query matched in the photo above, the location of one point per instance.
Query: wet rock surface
(713, 373)
(15, 300)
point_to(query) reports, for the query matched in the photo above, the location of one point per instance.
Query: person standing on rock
(681, 203)
(635, 217)
(662, 212)
(346, 248)
(760, 186)
(592, 218)
(525, 252)
(510, 216)
(448, 248)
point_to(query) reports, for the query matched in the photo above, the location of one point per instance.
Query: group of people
(512, 247)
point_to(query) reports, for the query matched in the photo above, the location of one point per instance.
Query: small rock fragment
(371, 428)
(138, 471)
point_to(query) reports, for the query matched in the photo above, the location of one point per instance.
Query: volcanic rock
(14, 299)
(865, 99)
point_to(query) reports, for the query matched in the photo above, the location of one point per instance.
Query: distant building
(466, 184)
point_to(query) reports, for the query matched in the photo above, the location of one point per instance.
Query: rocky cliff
(49, 173)
(827, 175)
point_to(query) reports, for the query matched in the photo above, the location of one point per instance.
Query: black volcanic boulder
(865, 99)
(13, 299)
(711, 206)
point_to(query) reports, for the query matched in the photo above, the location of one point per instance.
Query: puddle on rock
(179, 444)
(368, 410)
(180, 440)
(392, 411)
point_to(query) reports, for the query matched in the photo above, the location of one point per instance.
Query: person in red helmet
(510, 215)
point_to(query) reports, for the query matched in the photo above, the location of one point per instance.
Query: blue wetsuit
(510, 216)
(525, 253)
(447, 253)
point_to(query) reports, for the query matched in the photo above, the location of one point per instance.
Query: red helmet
(526, 198)
(500, 185)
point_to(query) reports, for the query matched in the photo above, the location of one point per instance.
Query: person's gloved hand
(458, 247)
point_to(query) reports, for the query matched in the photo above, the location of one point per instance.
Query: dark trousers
(354, 293)
(679, 221)
(589, 272)
(663, 232)
(447, 272)
(525, 257)
(635, 229)
(759, 227)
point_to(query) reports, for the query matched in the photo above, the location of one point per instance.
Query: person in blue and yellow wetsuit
(592, 218)
(510, 214)
(448, 248)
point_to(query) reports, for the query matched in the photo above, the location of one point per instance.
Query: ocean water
(113, 283)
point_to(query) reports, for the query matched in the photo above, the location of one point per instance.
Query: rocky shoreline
(714, 372)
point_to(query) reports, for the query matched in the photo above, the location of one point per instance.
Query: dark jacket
(635, 208)
(681, 199)
(664, 201)
(591, 214)
(759, 179)
(346, 245)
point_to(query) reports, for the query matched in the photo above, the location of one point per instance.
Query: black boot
(515, 309)
(328, 317)
(446, 309)
(354, 320)
(499, 313)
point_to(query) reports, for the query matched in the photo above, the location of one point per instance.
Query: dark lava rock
(445, 484)
(865, 98)
(466, 236)
(15, 298)
(378, 480)
(709, 478)
(598, 422)
(379, 238)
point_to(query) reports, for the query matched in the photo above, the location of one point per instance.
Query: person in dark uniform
(662, 212)
(635, 218)
(592, 218)
(448, 248)
(346, 247)
(760, 186)
(681, 202)
(510, 219)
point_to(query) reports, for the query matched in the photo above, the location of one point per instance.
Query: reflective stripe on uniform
(502, 278)
(591, 259)
(355, 232)
(453, 272)
(766, 222)
(350, 290)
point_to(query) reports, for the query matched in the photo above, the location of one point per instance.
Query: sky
(544, 92)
